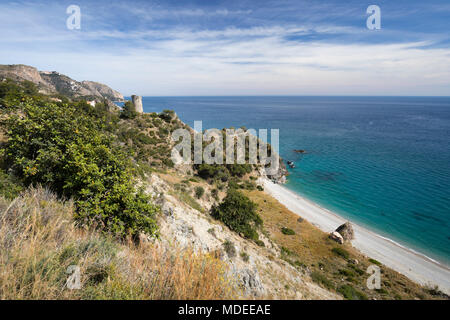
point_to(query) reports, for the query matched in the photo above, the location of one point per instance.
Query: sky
(229, 48)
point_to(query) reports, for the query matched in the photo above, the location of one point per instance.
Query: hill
(52, 83)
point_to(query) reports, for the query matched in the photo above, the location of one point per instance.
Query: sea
(381, 162)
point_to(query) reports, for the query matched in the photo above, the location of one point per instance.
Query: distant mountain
(52, 82)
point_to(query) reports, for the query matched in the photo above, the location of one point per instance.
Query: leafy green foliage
(229, 248)
(199, 191)
(238, 212)
(9, 187)
(167, 115)
(341, 252)
(351, 293)
(287, 231)
(128, 111)
(321, 279)
(12, 93)
(64, 148)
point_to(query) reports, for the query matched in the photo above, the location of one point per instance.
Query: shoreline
(412, 264)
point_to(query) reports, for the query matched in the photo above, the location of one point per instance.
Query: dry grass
(39, 241)
(311, 251)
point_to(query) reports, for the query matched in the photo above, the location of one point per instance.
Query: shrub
(351, 293)
(199, 191)
(238, 212)
(230, 249)
(64, 149)
(287, 231)
(260, 243)
(128, 111)
(341, 252)
(212, 171)
(9, 187)
(239, 169)
(167, 115)
(321, 279)
(215, 194)
(260, 188)
(38, 242)
(245, 256)
(375, 262)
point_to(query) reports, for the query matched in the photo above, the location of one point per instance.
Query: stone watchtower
(137, 101)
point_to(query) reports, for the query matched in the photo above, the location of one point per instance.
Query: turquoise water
(383, 162)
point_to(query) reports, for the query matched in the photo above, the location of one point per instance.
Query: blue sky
(236, 47)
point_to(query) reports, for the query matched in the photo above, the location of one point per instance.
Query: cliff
(56, 83)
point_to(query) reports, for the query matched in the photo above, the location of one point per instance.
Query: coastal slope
(417, 267)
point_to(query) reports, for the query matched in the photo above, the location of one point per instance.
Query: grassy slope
(310, 249)
(39, 241)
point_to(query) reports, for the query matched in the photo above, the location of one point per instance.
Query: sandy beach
(415, 266)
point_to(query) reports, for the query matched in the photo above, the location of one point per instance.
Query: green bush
(229, 248)
(341, 252)
(61, 147)
(245, 256)
(199, 191)
(167, 115)
(9, 187)
(128, 111)
(212, 171)
(351, 293)
(238, 212)
(375, 262)
(287, 231)
(321, 279)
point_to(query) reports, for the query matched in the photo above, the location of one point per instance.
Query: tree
(128, 111)
(238, 212)
(63, 148)
(199, 191)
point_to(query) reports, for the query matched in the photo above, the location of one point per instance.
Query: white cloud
(230, 61)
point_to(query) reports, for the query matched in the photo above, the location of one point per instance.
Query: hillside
(54, 83)
(89, 186)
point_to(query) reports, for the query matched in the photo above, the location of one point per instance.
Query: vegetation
(199, 192)
(60, 147)
(351, 293)
(321, 279)
(245, 256)
(238, 212)
(341, 252)
(128, 111)
(287, 231)
(329, 267)
(230, 249)
(39, 241)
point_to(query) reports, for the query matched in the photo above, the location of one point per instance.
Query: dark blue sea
(382, 162)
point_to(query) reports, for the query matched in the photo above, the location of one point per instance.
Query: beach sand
(415, 266)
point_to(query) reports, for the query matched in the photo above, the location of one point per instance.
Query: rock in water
(137, 101)
(336, 236)
(346, 231)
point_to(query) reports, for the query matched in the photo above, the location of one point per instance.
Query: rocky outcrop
(261, 275)
(103, 90)
(52, 82)
(280, 174)
(346, 231)
(336, 236)
(137, 102)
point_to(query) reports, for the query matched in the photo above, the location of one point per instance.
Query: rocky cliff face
(56, 83)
